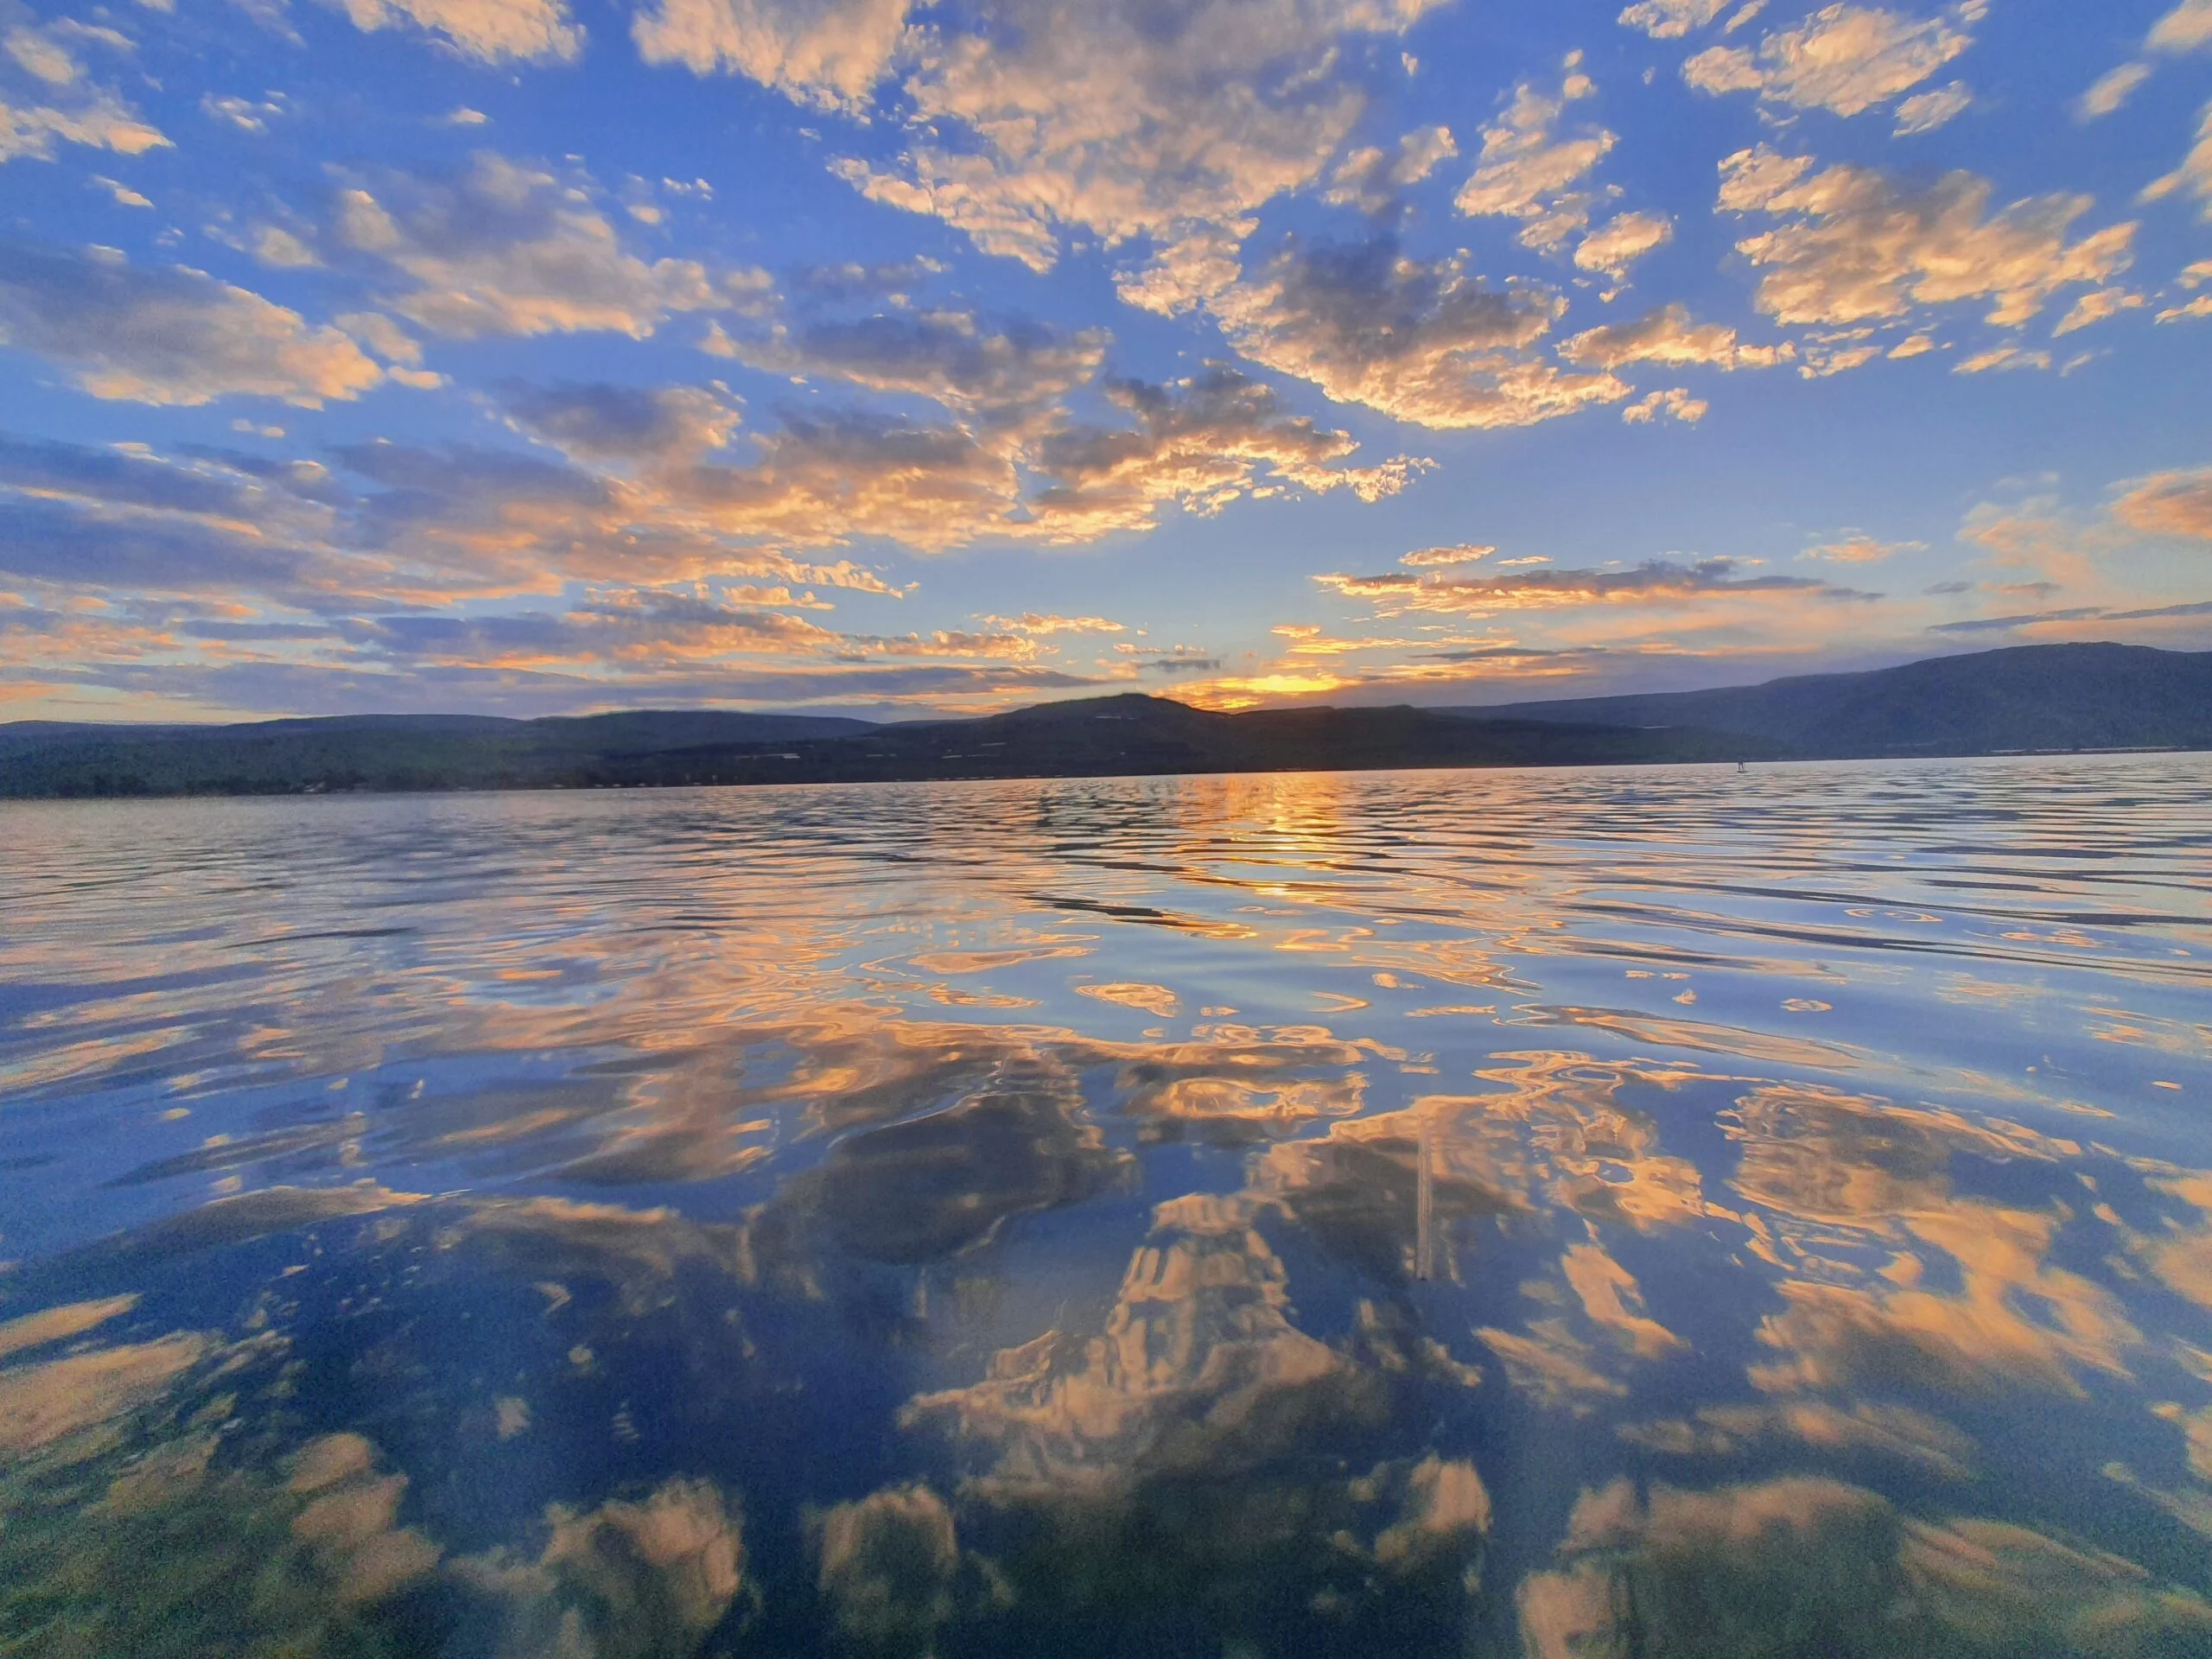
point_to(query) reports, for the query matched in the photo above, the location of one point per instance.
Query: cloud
(104, 520)
(2076, 614)
(2178, 505)
(381, 335)
(1669, 20)
(657, 484)
(1030, 622)
(1197, 444)
(293, 687)
(1427, 557)
(597, 422)
(1653, 583)
(80, 544)
(243, 113)
(507, 249)
(1375, 181)
(1528, 169)
(100, 121)
(945, 355)
(2194, 176)
(1422, 342)
(1856, 246)
(1926, 111)
(640, 629)
(851, 282)
(2110, 90)
(1668, 335)
(1857, 548)
(1125, 119)
(2096, 306)
(124, 195)
(41, 56)
(829, 53)
(2187, 28)
(490, 31)
(1845, 59)
(50, 467)
(280, 249)
(824, 478)
(1613, 247)
(1671, 1573)
(2002, 357)
(1675, 403)
(169, 336)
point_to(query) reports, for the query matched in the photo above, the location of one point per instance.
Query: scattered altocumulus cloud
(1669, 335)
(1124, 119)
(490, 31)
(1375, 180)
(1534, 165)
(1656, 582)
(1674, 402)
(830, 53)
(1424, 342)
(1845, 59)
(2177, 505)
(2194, 176)
(63, 105)
(2187, 28)
(1460, 553)
(949, 356)
(1856, 547)
(170, 335)
(1856, 245)
(510, 249)
(1669, 20)
(1615, 245)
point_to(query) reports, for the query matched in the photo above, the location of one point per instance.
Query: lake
(1666, 1212)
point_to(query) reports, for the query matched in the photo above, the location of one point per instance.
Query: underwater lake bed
(1666, 1212)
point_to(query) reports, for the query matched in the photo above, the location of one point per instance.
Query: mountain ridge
(2017, 698)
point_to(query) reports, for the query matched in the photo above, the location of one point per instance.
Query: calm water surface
(1665, 1212)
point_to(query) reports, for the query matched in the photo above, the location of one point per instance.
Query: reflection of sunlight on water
(1141, 1212)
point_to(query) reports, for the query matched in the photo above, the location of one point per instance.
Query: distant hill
(384, 752)
(2022, 698)
(2036, 697)
(1095, 737)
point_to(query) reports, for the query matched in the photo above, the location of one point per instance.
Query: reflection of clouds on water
(53, 1400)
(1695, 1037)
(1197, 1365)
(925, 1187)
(1556, 1137)
(1237, 1082)
(1729, 1431)
(629, 1579)
(146, 1506)
(1825, 1167)
(1191, 1452)
(349, 1520)
(889, 1565)
(961, 1175)
(1154, 999)
(2181, 1255)
(1806, 1565)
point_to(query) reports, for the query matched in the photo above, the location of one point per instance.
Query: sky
(876, 357)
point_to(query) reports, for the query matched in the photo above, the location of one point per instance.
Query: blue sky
(536, 356)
